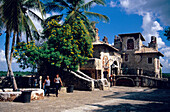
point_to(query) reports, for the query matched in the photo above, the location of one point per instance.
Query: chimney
(105, 40)
(97, 34)
(117, 42)
(153, 43)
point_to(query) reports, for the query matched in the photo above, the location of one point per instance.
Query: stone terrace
(117, 99)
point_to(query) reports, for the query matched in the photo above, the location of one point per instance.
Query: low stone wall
(9, 95)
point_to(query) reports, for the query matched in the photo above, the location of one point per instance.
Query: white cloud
(166, 52)
(166, 60)
(165, 63)
(3, 65)
(113, 4)
(124, 3)
(2, 56)
(151, 28)
(160, 8)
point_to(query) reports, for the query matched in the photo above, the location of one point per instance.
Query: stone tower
(153, 43)
(117, 42)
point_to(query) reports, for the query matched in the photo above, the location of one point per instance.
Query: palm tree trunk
(11, 74)
(12, 50)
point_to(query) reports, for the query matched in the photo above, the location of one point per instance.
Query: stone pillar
(40, 82)
(121, 72)
(137, 71)
(141, 71)
(92, 85)
(137, 81)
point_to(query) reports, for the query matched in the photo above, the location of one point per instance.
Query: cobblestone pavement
(117, 99)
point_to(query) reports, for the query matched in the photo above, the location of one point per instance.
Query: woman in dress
(58, 83)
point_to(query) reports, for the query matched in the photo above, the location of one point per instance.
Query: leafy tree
(167, 33)
(77, 8)
(15, 17)
(66, 47)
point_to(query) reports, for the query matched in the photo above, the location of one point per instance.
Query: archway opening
(125, 82)
(114, 68)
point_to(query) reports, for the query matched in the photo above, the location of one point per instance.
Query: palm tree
(15, 17)
(77, 8)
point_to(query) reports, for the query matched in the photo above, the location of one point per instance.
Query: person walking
(58, 83)
(47, 86)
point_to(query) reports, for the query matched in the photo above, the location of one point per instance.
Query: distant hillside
(166, 75)
(19, 73)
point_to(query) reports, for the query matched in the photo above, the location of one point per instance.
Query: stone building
(128, 56)
(106, 60)
(138, 59)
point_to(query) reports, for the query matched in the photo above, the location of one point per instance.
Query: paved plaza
(117, 99)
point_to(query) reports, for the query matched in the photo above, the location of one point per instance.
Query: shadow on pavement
(125, 107)
(159, 101)
(157, 95)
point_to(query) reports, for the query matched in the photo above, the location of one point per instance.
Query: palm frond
(62, 3)
(70, 17)
(97, 15)
(89, 4)
(52, 6)
(30, 4)
(41, 9)
(32, 25)
(35, 16)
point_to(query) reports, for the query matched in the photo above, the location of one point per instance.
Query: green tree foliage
(77, 8)
(66, 47)
(167, 33)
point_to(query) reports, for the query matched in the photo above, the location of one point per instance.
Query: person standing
(58, 83)
(111, 80)
(47, 86)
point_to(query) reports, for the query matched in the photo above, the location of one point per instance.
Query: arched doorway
(125, 82)
(114, 68)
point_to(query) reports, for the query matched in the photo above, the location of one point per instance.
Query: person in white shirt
(58, 83)
(47, 85)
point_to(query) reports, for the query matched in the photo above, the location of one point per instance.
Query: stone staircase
(101, 84)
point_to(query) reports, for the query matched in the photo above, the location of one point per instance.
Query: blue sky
(149, 17)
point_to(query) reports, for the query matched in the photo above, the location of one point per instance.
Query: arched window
(130, 44)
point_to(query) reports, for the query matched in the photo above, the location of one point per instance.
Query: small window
(130, 44)
(126, 57)
(149, 60)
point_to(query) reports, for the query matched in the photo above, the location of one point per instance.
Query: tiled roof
(102, 43)
(146, 50)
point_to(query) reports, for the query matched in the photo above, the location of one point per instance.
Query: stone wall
(22, 82)
(143, 81)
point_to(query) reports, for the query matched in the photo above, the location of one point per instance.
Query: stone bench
(9, 95)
